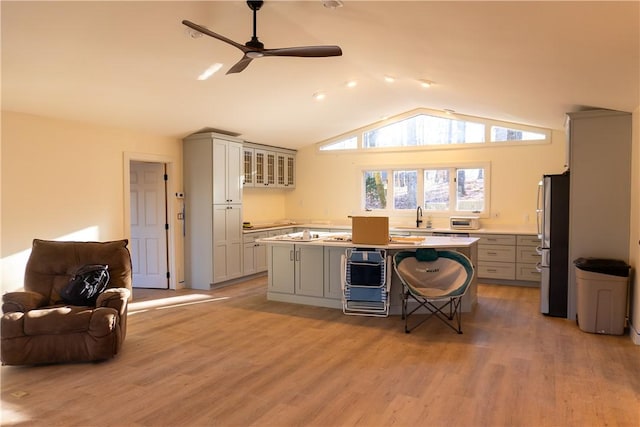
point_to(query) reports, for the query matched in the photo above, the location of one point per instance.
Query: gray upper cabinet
(268, 167)
(227, 179)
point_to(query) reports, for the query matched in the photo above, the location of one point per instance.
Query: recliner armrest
(115, 298)
(22, 301)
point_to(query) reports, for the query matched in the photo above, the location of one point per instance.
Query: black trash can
(601, 291)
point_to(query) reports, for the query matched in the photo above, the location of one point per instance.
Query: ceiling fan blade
(240, 65)
(210, 33)
(304, 51)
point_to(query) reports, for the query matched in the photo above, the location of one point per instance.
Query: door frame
(170, 168)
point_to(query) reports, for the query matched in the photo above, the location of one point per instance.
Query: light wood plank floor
(229, 357)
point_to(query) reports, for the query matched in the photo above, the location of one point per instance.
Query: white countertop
(343, 240)
(504, 229)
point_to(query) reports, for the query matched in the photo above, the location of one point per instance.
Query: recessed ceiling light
(426, 83)
(351, 83)
(319, 96)
(389, 79)
(214, 68)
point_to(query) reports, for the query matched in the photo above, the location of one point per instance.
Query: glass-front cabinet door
(260, 157)
(270, 178)
(249, 167)
(281, 162)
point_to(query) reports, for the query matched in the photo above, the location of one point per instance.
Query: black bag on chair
(87, 283)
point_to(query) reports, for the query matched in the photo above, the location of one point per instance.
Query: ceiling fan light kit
(255, 49)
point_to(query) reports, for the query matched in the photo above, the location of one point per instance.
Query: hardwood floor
(229, 357)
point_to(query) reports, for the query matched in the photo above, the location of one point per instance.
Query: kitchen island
(308, 270)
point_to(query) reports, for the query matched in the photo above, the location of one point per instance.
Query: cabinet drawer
(497, 253)
(528, 241)
(527, 272)
(252, 237)
(496, 270)
(496, 239)
(527, 254)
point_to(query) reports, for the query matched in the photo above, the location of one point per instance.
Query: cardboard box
(370, 230)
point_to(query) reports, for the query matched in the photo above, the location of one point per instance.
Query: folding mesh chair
(437, 281)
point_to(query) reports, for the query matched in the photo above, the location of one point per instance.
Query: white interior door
(148, 225)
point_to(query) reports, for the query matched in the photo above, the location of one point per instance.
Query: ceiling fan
(255, 49)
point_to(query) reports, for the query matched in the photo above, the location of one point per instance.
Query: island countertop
(396, 242)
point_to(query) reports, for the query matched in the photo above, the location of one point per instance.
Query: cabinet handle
(492, 253)
(291, 255)
(298, 255)
(492, 270)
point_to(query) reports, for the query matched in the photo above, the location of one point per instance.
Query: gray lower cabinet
(255, 254)
(296, 269)
(508, 257)
(497, 256)
(527, 258)
(333, 272)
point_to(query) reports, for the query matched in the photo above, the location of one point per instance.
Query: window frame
(358, 134)
(452, 167)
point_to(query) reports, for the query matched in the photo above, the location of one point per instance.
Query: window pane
(500, 134)
(424, 130)
(436, 189)
(405, 185)
(345, 144)
(399, 134)
(439, 130)
(470, 190)
(375, 184)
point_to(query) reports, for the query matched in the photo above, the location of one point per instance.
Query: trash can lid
(613, 267)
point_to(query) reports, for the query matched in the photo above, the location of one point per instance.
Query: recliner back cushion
(52, 263)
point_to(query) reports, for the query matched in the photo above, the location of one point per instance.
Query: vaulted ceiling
(134, 65)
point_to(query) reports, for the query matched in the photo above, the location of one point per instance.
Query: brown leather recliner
(38, 327)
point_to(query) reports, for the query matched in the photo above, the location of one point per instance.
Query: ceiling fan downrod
(254, 42)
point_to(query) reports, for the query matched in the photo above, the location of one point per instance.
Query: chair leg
(454, 313)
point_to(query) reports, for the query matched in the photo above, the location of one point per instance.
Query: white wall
(328, 186)
(64, 180)
(263, 206)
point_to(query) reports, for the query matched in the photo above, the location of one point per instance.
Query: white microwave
(464, 222)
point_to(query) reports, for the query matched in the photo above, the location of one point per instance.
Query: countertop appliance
(553, 230)
(464, 222)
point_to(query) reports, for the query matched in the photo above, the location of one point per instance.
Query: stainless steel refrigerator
(553, 231)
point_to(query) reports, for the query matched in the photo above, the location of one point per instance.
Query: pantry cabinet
(212, 174)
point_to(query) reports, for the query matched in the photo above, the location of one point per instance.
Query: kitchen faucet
(418, 216)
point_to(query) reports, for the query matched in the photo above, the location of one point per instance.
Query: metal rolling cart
(366, 282)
